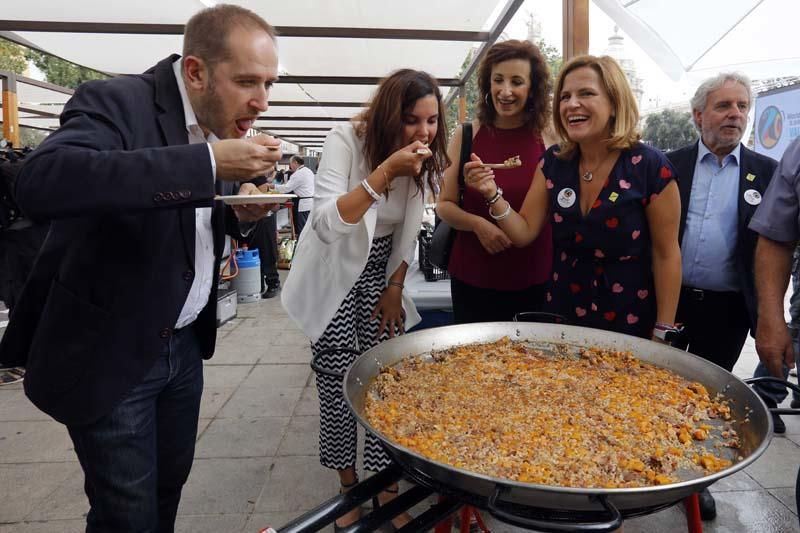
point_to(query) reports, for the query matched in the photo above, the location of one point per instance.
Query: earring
(486, 99)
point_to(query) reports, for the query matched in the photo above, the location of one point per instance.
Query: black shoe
(795, 404)
(271, 292)
(708, 507)
(778, 427)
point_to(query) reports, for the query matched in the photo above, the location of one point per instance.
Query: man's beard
(211, 114)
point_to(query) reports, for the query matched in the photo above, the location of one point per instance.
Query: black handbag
(444, 235)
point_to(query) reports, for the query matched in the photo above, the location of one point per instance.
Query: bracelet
(370, 190)
(664, 327)
(497, 195)
(502, 215)
(395, 284)
(385, 178)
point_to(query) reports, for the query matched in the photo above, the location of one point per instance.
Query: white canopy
(331, 52)
(701, 38)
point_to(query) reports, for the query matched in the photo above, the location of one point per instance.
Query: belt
(699, 295)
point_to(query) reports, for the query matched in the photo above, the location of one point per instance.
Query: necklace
(589, 174)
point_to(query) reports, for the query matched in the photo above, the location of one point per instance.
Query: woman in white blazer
(345, 288)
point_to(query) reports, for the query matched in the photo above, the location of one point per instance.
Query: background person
(514, 109)
(345, 288)
(301, 183)
(120, 308)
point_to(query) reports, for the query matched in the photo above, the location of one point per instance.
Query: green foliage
(669, 129)
(12, 57)
(61, 72)
(31, 137)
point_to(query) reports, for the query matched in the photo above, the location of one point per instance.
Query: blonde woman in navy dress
(613, 203)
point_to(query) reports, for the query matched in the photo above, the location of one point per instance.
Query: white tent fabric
(699, 39)
(299, 56)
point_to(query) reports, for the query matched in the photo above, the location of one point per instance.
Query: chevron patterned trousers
(351, 328)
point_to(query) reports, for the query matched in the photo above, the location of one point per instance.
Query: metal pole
(10, 110)
(576, 28)
(462, 104)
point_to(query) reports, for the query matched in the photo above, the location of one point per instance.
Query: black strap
(466, 150)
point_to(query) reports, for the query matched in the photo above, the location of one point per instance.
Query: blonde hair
(624, 122)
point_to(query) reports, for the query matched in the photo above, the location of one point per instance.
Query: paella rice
(601, 420)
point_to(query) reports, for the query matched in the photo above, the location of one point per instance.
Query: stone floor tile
(213, 399)
(301, 437)
(256, 402)
(68, 501)
(297, 483)
(286, 355)
(52, 526)
(290, 338)
(278, 376)
(751, 511)
(232, 437)
(25, 487)
(224, 486)
(232, 351)
(39, 441)
(269, 324)
(777, 467)
(224, 376)
(309, 402)
(16, 407)
(223, 523)
(259, 521)
(786, 496)
(738, 481)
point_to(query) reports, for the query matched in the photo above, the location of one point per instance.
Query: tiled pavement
(256, 461)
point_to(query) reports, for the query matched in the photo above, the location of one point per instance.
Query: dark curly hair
(537, 108)
(381, 123)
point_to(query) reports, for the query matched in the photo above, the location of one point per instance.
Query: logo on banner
(770, 127)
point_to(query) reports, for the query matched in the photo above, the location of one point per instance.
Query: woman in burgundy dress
(613, 203)
(491, 279)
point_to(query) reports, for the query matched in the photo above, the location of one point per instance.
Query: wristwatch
(668, 334)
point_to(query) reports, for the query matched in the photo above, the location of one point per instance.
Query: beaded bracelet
(370, 190)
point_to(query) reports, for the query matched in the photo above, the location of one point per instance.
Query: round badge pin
(566, 197)
(752, 197)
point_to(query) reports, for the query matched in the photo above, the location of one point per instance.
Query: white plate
(236, 199)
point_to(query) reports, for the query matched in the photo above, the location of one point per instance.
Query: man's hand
(492, 238)
(774, 346)
(242, 159)
(250, 212)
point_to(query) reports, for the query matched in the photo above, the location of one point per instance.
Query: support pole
(462, 104)
(10, 109)
(576, 28)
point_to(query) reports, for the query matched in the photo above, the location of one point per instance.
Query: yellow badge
(750, 177)
(613, 196)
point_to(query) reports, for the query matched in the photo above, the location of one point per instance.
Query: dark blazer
(760, 168)
(120, 184)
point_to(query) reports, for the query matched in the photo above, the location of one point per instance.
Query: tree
(61, 72)
(12, 57)
(669, 129)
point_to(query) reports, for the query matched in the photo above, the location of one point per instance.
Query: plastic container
(248, 282)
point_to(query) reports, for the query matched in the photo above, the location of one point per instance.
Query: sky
(659, 89)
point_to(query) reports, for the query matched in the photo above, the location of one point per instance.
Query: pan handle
(541, 317)
(786, 383)
(614, 521)
(315, 366)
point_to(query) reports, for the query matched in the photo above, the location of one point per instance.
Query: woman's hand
(479, 177)
(406, 161)
(390, 310)
(493, 239)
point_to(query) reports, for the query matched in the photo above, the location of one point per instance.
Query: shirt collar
(703, 152)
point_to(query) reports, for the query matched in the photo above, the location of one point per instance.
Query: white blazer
(331, 254)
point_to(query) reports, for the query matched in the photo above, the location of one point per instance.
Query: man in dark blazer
(119, 310)
(721, 184)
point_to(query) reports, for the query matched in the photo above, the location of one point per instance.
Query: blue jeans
(773, 391)
(137, 458)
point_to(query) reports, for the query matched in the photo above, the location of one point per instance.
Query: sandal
(342, 489)
(376, 503)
